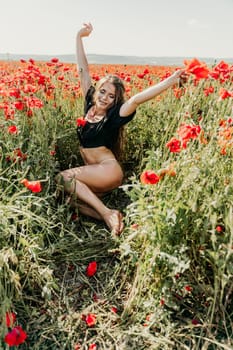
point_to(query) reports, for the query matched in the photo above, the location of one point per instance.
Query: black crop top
(104, 132)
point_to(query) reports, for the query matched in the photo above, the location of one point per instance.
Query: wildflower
(95, 77)
(127, 79)
(195, 322)
(219, 228)
(90, 320)
(95, 297)
(19, 105)
(92, 346)
(54, 60)
(14, 92)
(29, 88)
(223, 93)
(148, 319)
(81, 122)
(114, 309)
(91, 269)
(188, 288)
(140, 75)
(15, 337)
(33, 102)
(19, 154)
(208, 91)
(178, 92)
(34, 186)
(149, 177)
(197, 68)
(174, 145)
(10, 319)
(187, 132)
(12, 129)
(162, 302)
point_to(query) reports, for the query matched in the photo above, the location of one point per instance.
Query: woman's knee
(65, 181)
(64, 176)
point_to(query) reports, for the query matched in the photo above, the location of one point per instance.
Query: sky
(187, 28)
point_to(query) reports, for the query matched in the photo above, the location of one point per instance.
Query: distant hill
(111, 59)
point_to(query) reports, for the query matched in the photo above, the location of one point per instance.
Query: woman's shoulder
(115, 118)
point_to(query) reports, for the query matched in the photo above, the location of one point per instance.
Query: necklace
(92, 117)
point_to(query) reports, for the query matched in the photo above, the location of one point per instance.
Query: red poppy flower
(114, 309)
(208, 91)
(15, 337)
(195, 322)
(149, 177)
(174, 145)
(81, 122)
(19, 154)
(34, 186)
(95, 77)
(91, 269)
(187, 132)
(12, 129)
(52, 153)
(10, 319)
(19, 105)
(92, 346)
(14, 92)
(90, 320)
(219, 228)
(199, 69)
(33, 102)
(188, 288)
(223, 93)
(54, 60)
(141, 75)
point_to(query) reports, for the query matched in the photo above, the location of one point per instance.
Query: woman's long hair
(117, 148)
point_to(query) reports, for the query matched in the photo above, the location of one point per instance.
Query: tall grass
(166, 283)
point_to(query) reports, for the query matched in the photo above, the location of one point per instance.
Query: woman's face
(105, 96)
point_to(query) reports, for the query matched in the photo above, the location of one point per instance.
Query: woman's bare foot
(114, 220)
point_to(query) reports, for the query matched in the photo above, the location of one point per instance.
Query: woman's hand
(181, 76)
(85, 30)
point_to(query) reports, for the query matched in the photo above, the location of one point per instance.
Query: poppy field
(167, 282)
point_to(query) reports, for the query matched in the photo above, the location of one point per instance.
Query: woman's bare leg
(83, 208)
(81, 183)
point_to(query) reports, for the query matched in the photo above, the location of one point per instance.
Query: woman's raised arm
(130, 106)
(82, 64)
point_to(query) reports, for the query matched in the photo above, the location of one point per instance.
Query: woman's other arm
(130, 106)
(82, 64)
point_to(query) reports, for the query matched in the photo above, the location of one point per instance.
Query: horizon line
(111, 55)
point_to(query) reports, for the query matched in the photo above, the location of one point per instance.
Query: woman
(105, 113)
